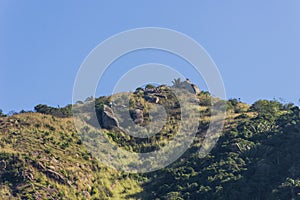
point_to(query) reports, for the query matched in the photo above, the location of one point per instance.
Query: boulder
(150, 90)
(152, 99)
(196, 88)
(109, 120)
(2, 165)
(188, 81)
(161, 96)
(189, 86)
(139, 90)
(138, 116)
(162, 87)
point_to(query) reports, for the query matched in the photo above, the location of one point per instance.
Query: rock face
(138, 116)
(152, 99)
(109, 121)
(2, 165)
(139, 90)
(189, 86)
(150, 91)
(196, 88)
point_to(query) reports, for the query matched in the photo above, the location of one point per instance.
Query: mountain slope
(42, 156)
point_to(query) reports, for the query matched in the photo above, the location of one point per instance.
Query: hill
(43, 156)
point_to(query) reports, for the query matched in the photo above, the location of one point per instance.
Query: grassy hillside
(257, 156)
(41, 157)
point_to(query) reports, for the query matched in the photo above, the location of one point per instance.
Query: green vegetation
(42, 157)
(257, 157)
(57, 112)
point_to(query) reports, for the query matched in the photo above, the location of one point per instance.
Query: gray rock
(196, 88)
(138, 116)
(3, 165)
(150, 90)
(152, 99)
(161, 96)
(109, 120)
(162, 87)
(193, 88)
(188, 81)
(139, 90)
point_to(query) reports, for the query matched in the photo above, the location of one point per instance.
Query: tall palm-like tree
(176, 82)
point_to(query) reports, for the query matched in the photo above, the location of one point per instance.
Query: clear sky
(255, 44)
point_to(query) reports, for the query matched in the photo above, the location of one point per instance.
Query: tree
(149, 87)
(176, 82)
(41, 108)
(266, 107)
(57, 112)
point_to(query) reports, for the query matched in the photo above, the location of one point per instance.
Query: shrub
(264, 107)
(150, 86)
(57, 112)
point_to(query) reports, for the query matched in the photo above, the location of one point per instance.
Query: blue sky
(255, 44)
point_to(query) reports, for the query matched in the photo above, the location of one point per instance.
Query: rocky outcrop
(152, 99)
(109, 121)
(3, 165)
(188, 85)
(138, 116)
(150, 91)
(139, 90)
(196, 89)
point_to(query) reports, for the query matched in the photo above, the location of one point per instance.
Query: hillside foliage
(42, 155)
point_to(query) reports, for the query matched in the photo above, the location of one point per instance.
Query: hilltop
(43, 156)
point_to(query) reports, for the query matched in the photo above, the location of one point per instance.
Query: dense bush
(57, 112)
(266, 107)
(259, 159)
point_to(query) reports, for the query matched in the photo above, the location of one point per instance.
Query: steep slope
(257, 157)
(42, 155)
